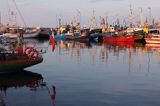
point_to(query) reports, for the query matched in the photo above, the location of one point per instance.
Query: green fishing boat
(12, 62)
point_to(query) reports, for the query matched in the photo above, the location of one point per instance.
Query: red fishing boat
(112, 37)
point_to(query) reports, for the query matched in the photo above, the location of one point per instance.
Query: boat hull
(119, 39)
(7, 66)
(94, 36)
(25, 35)
(78, 38)
(60, 37)
(31, 35)
(154, 41)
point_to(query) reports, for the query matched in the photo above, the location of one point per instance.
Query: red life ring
(31, 52)
(27, 49)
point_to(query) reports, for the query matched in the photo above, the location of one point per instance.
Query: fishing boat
(112, 37)
(153, 39)
(28, 33)
(95, 34)
(78, 36)
(59, 37)
(12, 61)
(139, 35)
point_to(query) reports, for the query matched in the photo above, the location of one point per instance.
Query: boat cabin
(153, 31)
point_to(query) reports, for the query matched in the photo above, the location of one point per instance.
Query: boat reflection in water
(109, 52)
(152, 46)
(122, 44)
(129, 51)
(18, 80)
(22, 80)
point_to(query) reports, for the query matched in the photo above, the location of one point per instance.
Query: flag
(52, 41)
(52, 38)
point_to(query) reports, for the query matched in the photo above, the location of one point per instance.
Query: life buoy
(31, 52)
(27, 49)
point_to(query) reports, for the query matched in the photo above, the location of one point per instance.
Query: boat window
(154, 32)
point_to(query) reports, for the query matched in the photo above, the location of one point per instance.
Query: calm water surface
(90, 74)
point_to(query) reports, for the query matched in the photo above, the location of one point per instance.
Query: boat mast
(141, 17)
(79, 19)
(150, 16)
(107, 25)
(124, 23)
(93, 21)
(19, 12)
(131, 16)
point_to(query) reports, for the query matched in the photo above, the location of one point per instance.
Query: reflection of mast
(148, 68)
(1, 101)
(129, 62)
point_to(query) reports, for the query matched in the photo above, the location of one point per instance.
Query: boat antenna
(19, 12)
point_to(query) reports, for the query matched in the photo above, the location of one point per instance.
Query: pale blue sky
(44, 12)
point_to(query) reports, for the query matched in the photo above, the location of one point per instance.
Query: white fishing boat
(154, 37)
(31, 33)
(13, 30)
(28, 33)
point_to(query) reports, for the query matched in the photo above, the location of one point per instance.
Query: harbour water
(89, 74)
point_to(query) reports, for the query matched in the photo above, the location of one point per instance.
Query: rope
(19, 13)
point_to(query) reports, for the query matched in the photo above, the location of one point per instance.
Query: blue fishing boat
(60, 37)
(95, 36)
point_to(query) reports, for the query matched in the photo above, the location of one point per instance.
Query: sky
(45, 13)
